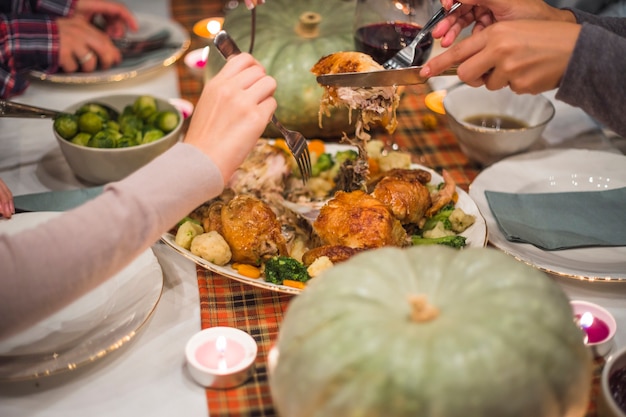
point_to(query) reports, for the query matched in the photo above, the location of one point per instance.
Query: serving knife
(382, 78)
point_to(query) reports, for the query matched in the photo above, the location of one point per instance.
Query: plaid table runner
(259, 312)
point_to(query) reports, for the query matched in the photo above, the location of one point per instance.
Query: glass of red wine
(383, 27)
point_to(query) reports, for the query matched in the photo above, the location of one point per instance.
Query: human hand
(490, 11)
(251, 4)
(117, 17)
(234, 109)
(530, 56)
(7, 209)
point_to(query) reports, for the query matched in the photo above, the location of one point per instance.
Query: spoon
(12, 109)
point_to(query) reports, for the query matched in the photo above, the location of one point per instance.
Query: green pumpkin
(291, 36)
(431, 331)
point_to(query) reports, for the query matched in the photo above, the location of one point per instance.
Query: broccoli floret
(343, 156)
(455, 241)
(280, 268)
(443, 216)
(324, 163)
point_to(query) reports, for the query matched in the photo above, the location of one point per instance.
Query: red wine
(383, 40)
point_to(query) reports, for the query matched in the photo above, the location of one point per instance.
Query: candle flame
(214, 26)
(220, 345)
(586, 320)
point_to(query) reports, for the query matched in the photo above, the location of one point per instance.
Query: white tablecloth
(147, 376)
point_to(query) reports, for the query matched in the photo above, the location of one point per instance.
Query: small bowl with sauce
(612, 397)
(491, 125)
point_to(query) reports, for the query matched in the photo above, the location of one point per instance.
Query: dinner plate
(476, 236)
(556, 170)
(99, 322)
(132, 67)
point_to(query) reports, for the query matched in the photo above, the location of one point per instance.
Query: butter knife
(382, 78)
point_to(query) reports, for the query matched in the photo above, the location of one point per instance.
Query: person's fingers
(7, 208)
(112, 11)
(456, 54)
(251, 4)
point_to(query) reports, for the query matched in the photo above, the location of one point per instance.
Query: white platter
(132, 67)
(92, 326)
(556, 171)
(476, 236)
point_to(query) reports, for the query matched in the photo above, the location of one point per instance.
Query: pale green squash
(501, 344)
(291, 36)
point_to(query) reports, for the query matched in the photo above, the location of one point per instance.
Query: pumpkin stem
(421, 310)
(308, 25)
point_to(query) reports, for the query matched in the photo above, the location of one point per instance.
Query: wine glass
(383, 27)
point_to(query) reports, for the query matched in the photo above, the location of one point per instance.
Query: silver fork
(404, 58)
(296, 141)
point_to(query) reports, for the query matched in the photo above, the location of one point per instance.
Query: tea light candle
(598, 325)
(221, 357)
(197, 60)
(209, 27)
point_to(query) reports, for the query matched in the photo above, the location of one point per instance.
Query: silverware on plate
(404, 58)
(296, 141)
(382, 78)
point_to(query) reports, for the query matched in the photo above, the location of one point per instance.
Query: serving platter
(102, 321)
(556, 170)
(177, 44)
(476, 236)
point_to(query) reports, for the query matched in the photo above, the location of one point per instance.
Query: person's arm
(54, 7)
(594, 77)
(7, 208)
(616, 25)
(49, 267)
(27, 42)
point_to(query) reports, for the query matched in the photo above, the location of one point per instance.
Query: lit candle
(221, 357)
(209, 27)
(595, 329)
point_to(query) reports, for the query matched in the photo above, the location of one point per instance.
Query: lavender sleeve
(594, 78)
(53, 265)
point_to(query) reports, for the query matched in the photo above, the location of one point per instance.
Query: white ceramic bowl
(607, 406)
(100, 166)
(488, 145)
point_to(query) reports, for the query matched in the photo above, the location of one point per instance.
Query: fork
(296, 141)
(404, 58)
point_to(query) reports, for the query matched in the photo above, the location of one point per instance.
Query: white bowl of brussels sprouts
(101, 147)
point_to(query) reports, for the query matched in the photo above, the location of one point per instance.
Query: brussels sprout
(145, 106)
(94, 108)
(112, 125)
(166, 121)
(104, 139)
(130, 124)
(127, 140)
(152, 135)
(90, 123)
(81, 139)
(66, 126)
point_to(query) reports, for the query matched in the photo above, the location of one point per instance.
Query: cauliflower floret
(374, 148)
(211, 247)
(460, 220)
(186, 232)
(438, 231)
(319, 265)
(393, 160)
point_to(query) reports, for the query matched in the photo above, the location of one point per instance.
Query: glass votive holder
(221, 357)
(206, 29)
(197, 61)
(597, 324)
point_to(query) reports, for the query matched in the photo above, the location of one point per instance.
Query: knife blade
(382, 78)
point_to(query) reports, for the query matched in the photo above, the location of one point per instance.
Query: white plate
(99, 322)
(556, 171)
(476, 236)
(131, 67)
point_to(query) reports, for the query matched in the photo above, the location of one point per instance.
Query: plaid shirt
(29, 40)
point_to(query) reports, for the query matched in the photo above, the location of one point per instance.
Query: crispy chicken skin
(413, 175)
(360, 221)
(212, 219)
(336, 253)
(408, 200)
(251, 229)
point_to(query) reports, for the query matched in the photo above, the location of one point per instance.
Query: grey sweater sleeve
(595, 76)
(51, 266)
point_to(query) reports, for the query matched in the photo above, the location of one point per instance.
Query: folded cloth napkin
(565, 220)
(55, 200)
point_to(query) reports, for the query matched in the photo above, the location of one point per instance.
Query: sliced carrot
(294, 284)
(282, 145)
(247, 270)
(455, 197)
(374, 165)
(317, 147)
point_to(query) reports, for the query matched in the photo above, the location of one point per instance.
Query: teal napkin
(566, 220)
(55, 200)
